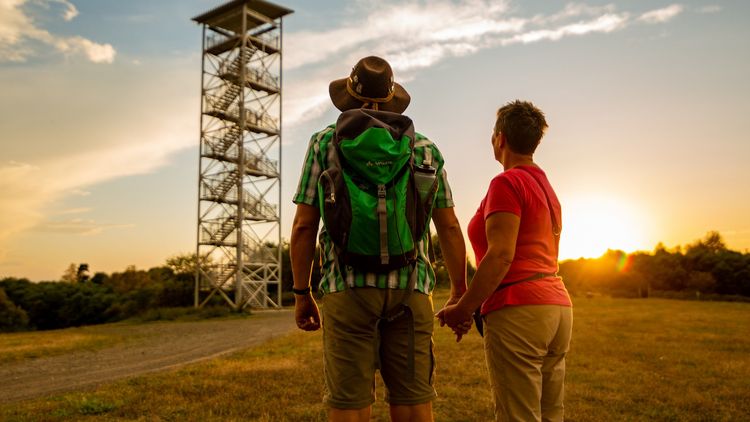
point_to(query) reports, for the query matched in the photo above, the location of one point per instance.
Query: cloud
(604, 24)
(30, 188)
(97, 53)
(70, 9)
(441, 23)
(421, 34)
(20, 36)
(573, 10)
(72, 151)
(76, 226)
(661, 15)
(713, 8)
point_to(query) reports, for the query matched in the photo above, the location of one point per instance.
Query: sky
(647, 103)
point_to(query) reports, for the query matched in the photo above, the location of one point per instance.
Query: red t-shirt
(518, 192)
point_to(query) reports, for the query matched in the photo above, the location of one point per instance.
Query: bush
(178, 291)
(51, 305)
(692, 295)
(12, 318)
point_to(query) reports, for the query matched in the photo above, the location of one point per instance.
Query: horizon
(678, 249)
(645, 101)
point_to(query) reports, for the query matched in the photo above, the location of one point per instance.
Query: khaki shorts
(350, 342)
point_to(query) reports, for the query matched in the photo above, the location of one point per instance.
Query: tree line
(81, 300)
(705, 269)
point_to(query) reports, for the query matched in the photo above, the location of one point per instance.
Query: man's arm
(454, 253)
(302, 253)
(453, 247)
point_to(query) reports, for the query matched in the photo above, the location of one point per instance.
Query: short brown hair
(522, 124)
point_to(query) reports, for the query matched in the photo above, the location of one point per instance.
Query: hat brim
(343, 101)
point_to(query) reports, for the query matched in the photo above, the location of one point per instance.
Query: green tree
(129, 280)
(700, 281)
(12, 317)
(71, 274)
(187, 264)
(82, 274)
(665, 270)
(704, 254)
(99, 278)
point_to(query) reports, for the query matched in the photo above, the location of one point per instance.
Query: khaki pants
(525, 347)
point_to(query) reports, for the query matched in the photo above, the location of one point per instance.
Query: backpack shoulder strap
(426, 145)
(556, 226)
(332, 153)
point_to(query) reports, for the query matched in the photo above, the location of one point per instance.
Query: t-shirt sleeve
(307, 189)
(502, 196)
(443, 195)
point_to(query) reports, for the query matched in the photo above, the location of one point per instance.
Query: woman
(525, 306)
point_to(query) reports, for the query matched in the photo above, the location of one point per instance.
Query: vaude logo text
(379, 163)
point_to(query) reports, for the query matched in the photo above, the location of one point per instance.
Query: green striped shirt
(333, 278)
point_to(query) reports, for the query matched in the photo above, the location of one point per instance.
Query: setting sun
(593, 224)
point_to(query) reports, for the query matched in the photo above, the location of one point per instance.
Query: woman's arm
(501, 229)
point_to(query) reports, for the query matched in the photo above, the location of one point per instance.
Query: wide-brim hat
(370, 84)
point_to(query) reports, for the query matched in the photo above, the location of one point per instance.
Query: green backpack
(374, 202)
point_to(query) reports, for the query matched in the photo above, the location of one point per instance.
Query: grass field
(37, 344)
(631, 360)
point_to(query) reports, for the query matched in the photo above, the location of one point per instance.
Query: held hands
(306, 312)
(455, 318)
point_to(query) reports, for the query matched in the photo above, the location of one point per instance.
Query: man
(378, 319)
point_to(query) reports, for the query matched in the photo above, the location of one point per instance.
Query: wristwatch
(301, 292)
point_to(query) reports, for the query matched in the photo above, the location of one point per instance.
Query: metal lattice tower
(239, 186)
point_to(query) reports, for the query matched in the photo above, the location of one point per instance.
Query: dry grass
(36, 344)
(634, 360)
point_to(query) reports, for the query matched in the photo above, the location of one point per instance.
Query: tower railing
(215, 40)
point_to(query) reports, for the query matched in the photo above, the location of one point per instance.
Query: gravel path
(155, 347)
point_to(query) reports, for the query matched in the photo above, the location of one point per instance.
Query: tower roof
(229, 15)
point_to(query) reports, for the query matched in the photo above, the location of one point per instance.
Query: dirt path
(156, 347)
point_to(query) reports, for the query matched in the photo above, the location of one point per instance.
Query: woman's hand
(461, 329)
(456, 318)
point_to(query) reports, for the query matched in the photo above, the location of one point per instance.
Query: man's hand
(306, 312)
(456, 318)
(452, 300)
(460, 327)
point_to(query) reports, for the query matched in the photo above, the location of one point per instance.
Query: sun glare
(591, 225)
